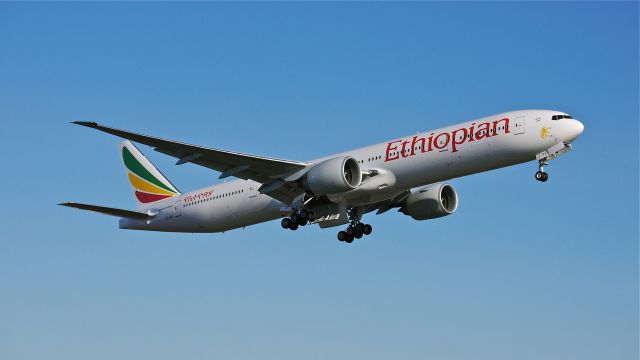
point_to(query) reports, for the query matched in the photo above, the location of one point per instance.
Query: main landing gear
(298, 218)
(355, 231)
(540, 174)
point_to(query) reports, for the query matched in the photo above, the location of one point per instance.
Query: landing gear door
(519, 125)
(330, 215)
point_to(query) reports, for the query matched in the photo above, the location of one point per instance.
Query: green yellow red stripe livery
(148, 183)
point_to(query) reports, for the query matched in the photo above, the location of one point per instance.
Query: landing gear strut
(540, 174)
(298, 218)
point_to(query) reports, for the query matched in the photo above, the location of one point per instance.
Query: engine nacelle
(430, 202)
(333, 176)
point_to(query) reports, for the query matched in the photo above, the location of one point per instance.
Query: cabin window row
(371, 159)
(213, 198)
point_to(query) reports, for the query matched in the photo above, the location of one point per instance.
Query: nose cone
(576, 129)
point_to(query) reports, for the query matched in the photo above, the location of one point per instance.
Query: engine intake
(431, 202)
(333, 176)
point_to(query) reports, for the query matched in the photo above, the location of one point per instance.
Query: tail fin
(149, 185)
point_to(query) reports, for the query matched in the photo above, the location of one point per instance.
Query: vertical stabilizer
(149, 185)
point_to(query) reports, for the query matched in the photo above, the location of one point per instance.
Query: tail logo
(148, 187)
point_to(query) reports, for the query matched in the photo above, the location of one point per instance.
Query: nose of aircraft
(576, 129)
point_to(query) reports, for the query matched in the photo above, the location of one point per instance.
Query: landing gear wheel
(360, 227)
(342, 236)
(294, 227)
(286, 223)
(542, 176)
(358, 234)
(304, 214)
(295, 218)
(351, 231)
(367, 229)
(349, 239)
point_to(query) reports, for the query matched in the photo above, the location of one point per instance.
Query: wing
(386, 205)
(110, 211)
(274, 174)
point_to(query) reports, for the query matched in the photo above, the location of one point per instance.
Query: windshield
(558, 117)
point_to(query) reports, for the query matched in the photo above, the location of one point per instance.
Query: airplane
(406, 173)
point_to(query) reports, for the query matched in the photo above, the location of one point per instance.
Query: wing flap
(109, 211)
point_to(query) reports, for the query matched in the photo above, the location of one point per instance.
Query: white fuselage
(509, 138)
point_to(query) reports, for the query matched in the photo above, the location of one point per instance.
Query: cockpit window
(558, 117)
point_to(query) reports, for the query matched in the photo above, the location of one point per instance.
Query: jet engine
(333, 176)
(430, 202)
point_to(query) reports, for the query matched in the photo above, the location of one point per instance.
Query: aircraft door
(253, 190)
(519, 125)
(177, 208)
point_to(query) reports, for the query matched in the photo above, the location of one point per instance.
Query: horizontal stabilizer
(110, 211)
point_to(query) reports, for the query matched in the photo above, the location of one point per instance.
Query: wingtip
(85, 123)
(68, 204)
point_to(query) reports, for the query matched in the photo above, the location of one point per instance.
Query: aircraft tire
(342, 236)
(294, 227)
(350, 231)
(367, 229)
(286, 223)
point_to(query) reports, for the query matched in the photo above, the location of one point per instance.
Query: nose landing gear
(540, 174)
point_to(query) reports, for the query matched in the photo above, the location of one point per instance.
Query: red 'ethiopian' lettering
(471, 138)
(400, 148)
(505, 121)
(404, 148)
(444, 143)
(483, 131)
(390, 149)
(455, 142)
(414, 142)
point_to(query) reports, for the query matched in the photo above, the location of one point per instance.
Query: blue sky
(523, 270)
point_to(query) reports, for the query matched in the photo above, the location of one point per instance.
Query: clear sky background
(523, 270)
